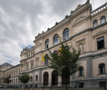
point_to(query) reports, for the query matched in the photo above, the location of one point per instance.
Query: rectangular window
(32, 65)
(102, 84)
(27, 66)
(31, 78)
(100, 43)
(36, 77)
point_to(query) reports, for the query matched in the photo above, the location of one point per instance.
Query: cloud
(22, 20)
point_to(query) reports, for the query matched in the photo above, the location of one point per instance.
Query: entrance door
(45, 78)
(54, 77)
(80, 85)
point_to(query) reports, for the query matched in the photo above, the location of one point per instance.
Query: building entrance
(54, 77)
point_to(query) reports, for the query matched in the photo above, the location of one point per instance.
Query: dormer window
(47, 44)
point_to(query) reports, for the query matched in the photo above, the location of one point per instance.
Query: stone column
(40, 79)
(59, 80)
(50, 79)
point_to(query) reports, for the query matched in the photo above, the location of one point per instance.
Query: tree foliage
(65, 60)
(7, 79)
(24, 78)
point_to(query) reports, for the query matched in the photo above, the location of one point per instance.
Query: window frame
(81, 71)
(46, 59)
(102, 68)
(101, 19)
(55, 39)
(100, 41)
(31, 65)
(36, 77)
(94, 22)
(66, 34)
(47, 43)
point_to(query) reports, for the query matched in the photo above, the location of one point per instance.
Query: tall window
(95, 23)
(31, 78)
(31, 65)
(81, 71)
(55, 39)
(46, 60)
(36, 77)
(100, 43)
(47, 44)
(27, 66)
(103, 19)
(66, 34)
(101, 68)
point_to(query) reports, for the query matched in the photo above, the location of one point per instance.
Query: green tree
(65, 61)
(24, 78)
(7, 79)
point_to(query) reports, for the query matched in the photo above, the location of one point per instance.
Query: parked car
(1, 86)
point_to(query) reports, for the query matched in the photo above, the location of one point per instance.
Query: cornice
(54, 28)
(12, 67)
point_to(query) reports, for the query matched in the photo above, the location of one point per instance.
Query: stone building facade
(83, 28)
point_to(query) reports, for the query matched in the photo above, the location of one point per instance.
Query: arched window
(55, 51)
(66, 34)
(102, 20)
(36, 77)
(81, 71)
(101, 68)
(47, 44)
(95, 23)
(55, 39)
(46, 59)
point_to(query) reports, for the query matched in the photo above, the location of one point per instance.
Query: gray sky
(22, 20)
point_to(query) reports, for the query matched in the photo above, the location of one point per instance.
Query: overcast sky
(22, 20)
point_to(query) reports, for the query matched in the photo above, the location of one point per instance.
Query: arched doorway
(54, 77)
(45, 78)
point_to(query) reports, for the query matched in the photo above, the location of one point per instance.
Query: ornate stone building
(83, 28)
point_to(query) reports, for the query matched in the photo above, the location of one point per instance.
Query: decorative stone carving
(81, 47)
(79, 19)
(80, 44)
(99, 33)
